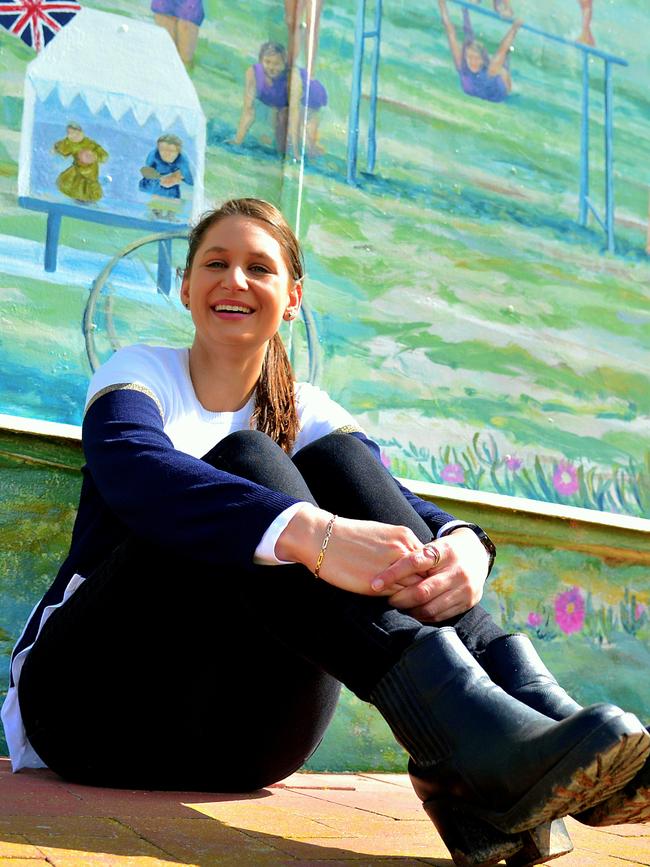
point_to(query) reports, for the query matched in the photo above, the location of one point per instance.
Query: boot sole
(597, 767)
(593, 770)
(628, 805)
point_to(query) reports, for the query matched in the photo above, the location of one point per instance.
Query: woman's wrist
(324, 544)
(301, 539)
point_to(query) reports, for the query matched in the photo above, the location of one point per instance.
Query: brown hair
(275, 407)
(168, 138)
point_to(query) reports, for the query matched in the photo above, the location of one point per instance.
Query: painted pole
(554, 37)
(52, 231)
(355, 96)
(585, 204)
(374, 83)
(609, 157)
(164, 276)
(584, 143)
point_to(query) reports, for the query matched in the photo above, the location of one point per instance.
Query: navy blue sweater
(136, 483)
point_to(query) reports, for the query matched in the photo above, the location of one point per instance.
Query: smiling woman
(239, 286)
(238, 535)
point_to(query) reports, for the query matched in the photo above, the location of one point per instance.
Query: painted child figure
(182, 20)
(80, 181)
(481, 75)
(586, 10)
(271, 81)
(166, 167)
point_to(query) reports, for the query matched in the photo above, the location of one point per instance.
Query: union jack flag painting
(36, 22)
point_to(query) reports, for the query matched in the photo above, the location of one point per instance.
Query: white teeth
(231, 308)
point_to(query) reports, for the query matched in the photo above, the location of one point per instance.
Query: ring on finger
(432, 551)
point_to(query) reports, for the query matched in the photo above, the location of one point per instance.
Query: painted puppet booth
(470, 184)
(109, 140)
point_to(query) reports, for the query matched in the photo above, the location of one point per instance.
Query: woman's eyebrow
(253, 253)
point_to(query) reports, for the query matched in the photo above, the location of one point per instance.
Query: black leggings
(165, 672)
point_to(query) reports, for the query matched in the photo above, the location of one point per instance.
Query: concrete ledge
(38, 427)
(518, 521)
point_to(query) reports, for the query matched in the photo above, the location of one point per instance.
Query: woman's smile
(231, 310)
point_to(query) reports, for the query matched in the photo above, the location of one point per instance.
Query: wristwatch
(485, 540)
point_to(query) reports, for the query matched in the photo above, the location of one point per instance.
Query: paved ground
(321, 819)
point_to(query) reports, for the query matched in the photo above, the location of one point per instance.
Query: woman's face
(474, 58)
(239, 287)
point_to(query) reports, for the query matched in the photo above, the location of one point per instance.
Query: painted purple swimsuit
(188, 10)
(481, 84)
(276, 94)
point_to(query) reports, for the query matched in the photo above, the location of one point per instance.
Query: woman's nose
(236, 278)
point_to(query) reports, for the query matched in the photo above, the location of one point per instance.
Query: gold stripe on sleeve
(349, 428)
(126, 386)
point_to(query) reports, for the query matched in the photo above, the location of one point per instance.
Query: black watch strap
(485, 540)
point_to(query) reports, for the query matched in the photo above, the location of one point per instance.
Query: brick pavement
(317, 819)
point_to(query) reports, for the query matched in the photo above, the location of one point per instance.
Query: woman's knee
(242, 447)
(334, 446)
(332, 452)
(253, 455)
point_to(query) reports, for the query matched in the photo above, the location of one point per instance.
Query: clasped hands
(431, 582)
(438, 580)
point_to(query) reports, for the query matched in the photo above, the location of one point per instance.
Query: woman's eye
(216, 263)
(259, 269)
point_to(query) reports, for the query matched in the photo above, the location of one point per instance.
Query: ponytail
(275, 411)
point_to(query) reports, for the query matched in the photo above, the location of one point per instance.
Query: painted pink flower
(385, 460)
(534, 619)
(639, 610)
(565, 479)
(570, 610)
(513, 463)
(453, 474)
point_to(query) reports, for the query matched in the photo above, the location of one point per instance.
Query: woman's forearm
(168, 496)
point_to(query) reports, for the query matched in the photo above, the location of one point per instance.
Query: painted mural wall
(478, 269)
(461, 310)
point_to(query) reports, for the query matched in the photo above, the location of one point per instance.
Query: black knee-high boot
(305, 637)
(513, 663)
(479, 753)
